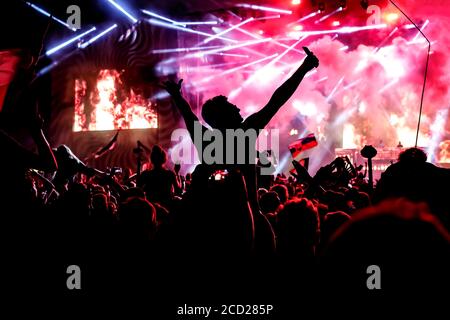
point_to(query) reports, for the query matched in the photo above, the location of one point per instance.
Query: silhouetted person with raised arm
(220, 114)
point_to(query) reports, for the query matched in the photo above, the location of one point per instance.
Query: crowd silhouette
(166, 232)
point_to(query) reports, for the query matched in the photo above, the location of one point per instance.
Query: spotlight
(296, 2)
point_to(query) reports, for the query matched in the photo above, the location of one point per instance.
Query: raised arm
(281, 95)
(46, 160)
(174, 89)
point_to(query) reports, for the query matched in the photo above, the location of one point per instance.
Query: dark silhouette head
(282, 192)
(158, 156)
(412, 156)
(219, 113)
(298, 228)
(269, 202)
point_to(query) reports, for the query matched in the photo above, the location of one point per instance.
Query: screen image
(102, 102)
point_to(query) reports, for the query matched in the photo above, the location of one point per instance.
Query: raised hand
(172, 87)
(311, 60)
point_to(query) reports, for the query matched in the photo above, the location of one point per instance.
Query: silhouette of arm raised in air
(174, 89)
(261, 118)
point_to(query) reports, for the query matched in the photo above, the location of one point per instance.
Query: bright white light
(393, 66)
(348, 137)
(392, 17)
(121, 9)
(362, 107)
(307, 109)
(66, 43)
(296, 2)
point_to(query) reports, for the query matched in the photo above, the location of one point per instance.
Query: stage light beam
(66, 43)
(47, 14)
(121, 9)
(155, 15)
(101, 34)
(328, 15)
(277, 16)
